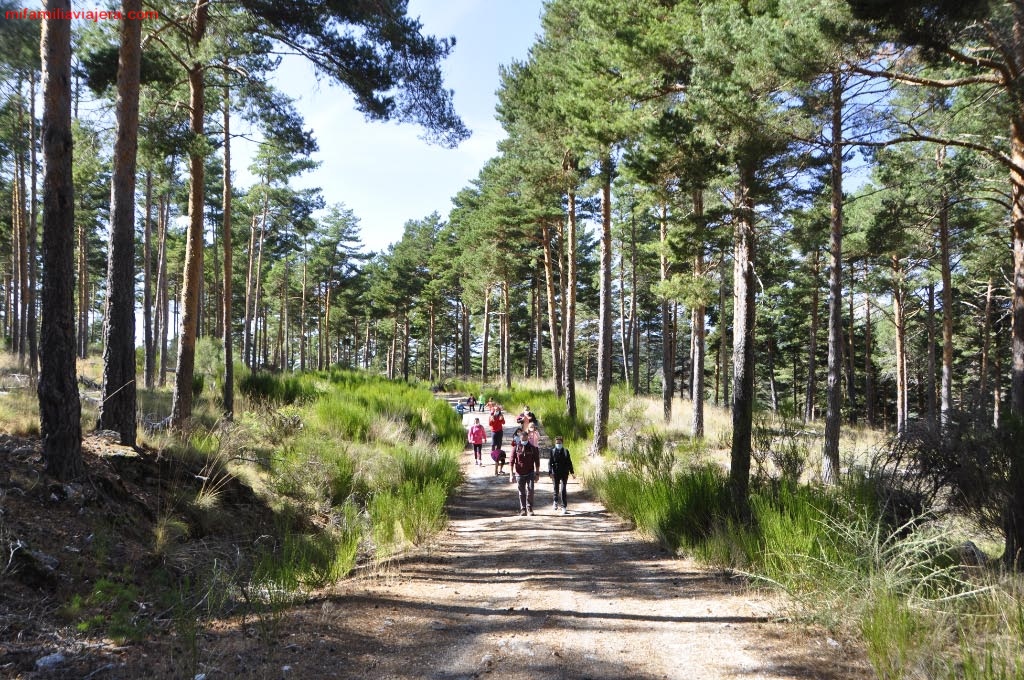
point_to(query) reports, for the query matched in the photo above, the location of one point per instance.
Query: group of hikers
(525, 462)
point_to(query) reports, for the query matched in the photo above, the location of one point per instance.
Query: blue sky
(384, 172)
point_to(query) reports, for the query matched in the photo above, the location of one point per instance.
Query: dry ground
(496, 596)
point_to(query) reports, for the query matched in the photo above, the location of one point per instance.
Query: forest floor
(496, 595)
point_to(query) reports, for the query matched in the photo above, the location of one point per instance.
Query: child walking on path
(477, 434)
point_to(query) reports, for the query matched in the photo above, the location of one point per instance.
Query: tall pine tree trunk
(810, 396)
(487, 334)
(181, 407)
(869, 370)
(834, 399)
(149, 363)
(604, 337)
(743, 346)
(1014, 514)
(164, 299)
(570, 310)
(668, 363)
(899, 320)
(946, 386)
(553, 327)
(60, 411)
(697, 330)
(986, 343)
(33, 273)
(229, 358)
(931, 407)
(118, 404)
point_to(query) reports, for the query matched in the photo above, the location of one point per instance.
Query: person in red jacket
(476, 438)
(497, 423)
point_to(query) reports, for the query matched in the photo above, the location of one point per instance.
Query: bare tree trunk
(986, 343)
(302, 321)
(487, 333)
(899, 320)
(723, 342)
(17, 213)
(869, 370)
(83, 292)
(506, 335)
(810, 397)
(181, 407)
(553, 327)
(164, 301)
(258, 284)
(118, 405)
(149, 363)
(570, 311)
(604, 338)
(931, 407)
(668, 363)
(834, 397)
(626, 331)
(33, 274)
(743, 346)
(60, 411)
(697, 330)
(851, 354)
(946, 389)
(229, 358)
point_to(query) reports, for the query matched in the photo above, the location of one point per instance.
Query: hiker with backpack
(559, 469)
(525, 465)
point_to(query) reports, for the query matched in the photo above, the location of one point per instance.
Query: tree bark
(487, 334)
(931, 406)
(149, 363)
(604, 338)
(33, 231)
(834, 400)
(181, 407)
(163, 298)
(810, 395)
(743, 346)
(60, 410)
(899, 320)
(946, 385)
(697, 331)
(570, 310)
(118, 404)
(229, 358)
(553, 327)
(986, 343)
(869, 371)
(668, 373)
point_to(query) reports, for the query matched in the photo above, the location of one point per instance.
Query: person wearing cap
(559, 469)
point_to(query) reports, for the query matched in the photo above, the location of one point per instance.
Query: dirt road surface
(549, 596)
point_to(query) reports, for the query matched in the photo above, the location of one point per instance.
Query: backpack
(559, 460)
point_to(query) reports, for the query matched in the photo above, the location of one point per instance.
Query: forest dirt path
(547, 596)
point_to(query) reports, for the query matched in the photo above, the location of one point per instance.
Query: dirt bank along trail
(548, 596)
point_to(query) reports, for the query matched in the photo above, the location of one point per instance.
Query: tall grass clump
(300, 561)
(422, 467)
(407, 515)
(261, 387)
(682, 510)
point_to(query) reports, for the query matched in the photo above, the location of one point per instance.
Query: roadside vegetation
(347, 471)
(888, 556)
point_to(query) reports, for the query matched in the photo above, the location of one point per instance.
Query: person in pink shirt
(477, 434)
